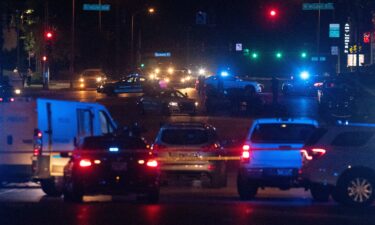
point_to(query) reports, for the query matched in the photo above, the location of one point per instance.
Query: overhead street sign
(96, 7)
(318, 6)
(162, 54)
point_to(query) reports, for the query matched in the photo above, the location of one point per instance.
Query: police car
(271, 155)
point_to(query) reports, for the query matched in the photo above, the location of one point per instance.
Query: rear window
(105, 144)
(315, 136)
(184, 136)
(282, 133)
(352, 139)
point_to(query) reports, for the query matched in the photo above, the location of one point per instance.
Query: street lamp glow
(201, 71)
(151, 10)
(157, 70)
(170, 70)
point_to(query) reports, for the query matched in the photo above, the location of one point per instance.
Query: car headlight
(196, 103)
(98, 79)
(17, 91)
(183, 80)
(173, 104)
(167, 80)
(81, 80)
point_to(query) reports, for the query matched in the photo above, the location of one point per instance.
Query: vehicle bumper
(271, 177)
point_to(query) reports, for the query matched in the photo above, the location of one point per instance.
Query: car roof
(190, 125)
(286, 120)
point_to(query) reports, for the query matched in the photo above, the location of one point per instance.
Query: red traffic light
(272, 13)
(48, 35)
(44, 58)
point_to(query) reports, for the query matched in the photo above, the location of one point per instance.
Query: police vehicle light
(224, 73)
(113, 149)
(304, 75)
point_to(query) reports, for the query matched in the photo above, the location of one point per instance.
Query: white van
(34, 133)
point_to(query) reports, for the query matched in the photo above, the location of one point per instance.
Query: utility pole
(72, 45)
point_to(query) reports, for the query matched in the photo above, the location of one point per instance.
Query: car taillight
(157, 147)
(1, 99)
(318, 84)
(85, 163)
(11, 99)
(152, 163)
(211, 147)
(313, 153)
(245, 156)
(38, 142)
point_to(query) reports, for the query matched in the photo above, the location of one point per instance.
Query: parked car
(91, 78)
(192, 151)
(112, 165)
(167, 102)
(303, 84)
(339, 161)
(271, 155)
(250, 87)
(6, 91)
(133, 83)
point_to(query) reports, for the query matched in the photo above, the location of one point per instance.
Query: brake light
(318, 84)
(38, 142)
(157, 147)
(245, 157)
(85, 163)
(12, 99)
(152, 163)
(314, 153)
(1, 99)
(211, 147)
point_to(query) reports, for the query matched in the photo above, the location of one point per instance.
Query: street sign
(318, 58)
(352, 60)
(334, 30)
(96, 7)
(318, 6)
(334, 50)
(162, 54)
(238, 47)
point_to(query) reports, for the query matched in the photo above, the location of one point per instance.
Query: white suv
(271, 154)
(340, 161)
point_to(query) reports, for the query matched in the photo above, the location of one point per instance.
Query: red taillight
(211, 147)
(12, 99)
(36, 151)
(38, 142)
(318, 84)
(85, 163)
(152, 163)
(157, 147)
(314, 153)
(1, 99)
(245, 157)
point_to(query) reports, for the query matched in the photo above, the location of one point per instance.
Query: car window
(184, 136)
(352, 139)
(95, 143)
(281, 133)
(315, 136)
(179, 94)
(106, 126)
(130, 80)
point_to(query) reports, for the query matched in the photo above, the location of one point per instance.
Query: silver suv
(340, 161)
(190, 150)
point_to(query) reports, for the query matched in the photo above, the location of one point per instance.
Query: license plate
(119, 166)
(284, 172)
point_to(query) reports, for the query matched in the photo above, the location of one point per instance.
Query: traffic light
(254, 55)
(246, 52)
(303, 55)
(44, 58)
(273, 13)
(48, 35)
(142, 65)
(279, 55)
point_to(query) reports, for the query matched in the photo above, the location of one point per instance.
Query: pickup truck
(232, 82)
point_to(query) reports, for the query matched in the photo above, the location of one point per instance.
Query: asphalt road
(179, 204)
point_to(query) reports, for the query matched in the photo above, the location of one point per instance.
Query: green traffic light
(254, 55)
(303, 55)
(279, 55)
(142, 65)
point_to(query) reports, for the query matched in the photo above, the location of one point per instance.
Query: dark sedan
(112, 165)
(167, 102)
(129, 84)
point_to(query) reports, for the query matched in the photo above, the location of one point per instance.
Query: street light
(150, 11)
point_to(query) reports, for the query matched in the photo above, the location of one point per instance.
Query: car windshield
(184, 136)
(92, 143)
(281, 133)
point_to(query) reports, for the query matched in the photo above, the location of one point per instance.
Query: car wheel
(72, 193)
(356, 189)
(249, 91)
(320, 193)
(246, 189)
(51, 187)
(219, 177)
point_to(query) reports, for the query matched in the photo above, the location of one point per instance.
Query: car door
(125, 86)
